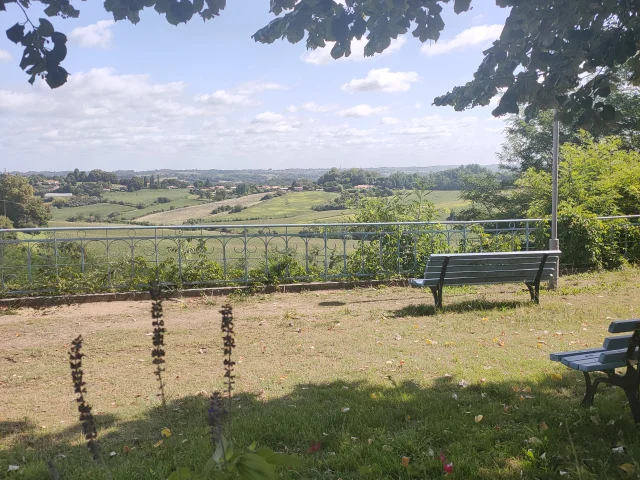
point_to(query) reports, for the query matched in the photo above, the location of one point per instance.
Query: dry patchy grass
(383, 353)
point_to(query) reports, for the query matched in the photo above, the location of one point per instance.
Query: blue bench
(616, 352)
(529, 267)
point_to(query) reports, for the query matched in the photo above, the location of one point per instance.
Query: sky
(204, 95)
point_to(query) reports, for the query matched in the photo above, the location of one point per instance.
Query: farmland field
(294, 208)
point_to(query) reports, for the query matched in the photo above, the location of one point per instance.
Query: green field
(147, 196)
(294, 208)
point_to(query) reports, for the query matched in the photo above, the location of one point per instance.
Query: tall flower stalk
(229, 344)
(158, 339)
(87, 420)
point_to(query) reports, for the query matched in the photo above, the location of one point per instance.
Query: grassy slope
(292, 208)
(304, 359)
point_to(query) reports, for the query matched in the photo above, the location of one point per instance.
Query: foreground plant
(87, 420)
(226, 463)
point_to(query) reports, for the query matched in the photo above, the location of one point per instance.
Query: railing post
(246, 258)
(29, 264)
(326, 256)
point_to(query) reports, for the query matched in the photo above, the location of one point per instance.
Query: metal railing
(87, 259)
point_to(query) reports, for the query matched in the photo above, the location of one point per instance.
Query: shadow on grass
(525, 431)
(424, 310)
(332, 304)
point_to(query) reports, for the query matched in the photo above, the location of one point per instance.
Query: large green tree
(528, 144)
(551, 53)
(19, 205)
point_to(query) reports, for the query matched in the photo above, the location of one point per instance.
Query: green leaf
(254, 467)
(56, 77)
(460, 6)
(46, 28)
(608, 113)
(252, 447)
(182, 473)
(16, 33)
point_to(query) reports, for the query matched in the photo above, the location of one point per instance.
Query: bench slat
(572, 361)
(480, 279)
(486, 266)
(623, 326)
(616, 356)
(599, 367)
(490, 270)
(525, 253)
(615, 343)
(436, 263)
(558, 356)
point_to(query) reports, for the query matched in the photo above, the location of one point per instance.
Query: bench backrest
(492, 267)
(616, 348)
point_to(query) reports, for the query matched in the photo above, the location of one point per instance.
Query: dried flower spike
(86, 417)
(158, 338)
(229, 344)
(216, 416)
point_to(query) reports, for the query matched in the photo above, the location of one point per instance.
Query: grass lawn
(373, 375)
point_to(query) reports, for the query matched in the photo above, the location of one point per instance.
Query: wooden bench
(616, 352)
(530, 267)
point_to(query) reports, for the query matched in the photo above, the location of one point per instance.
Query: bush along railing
(107, 259)
(226, 462)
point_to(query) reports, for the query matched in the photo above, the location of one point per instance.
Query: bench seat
(616, 352)
(458, 269)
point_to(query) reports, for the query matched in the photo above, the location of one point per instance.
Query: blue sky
(205, 95)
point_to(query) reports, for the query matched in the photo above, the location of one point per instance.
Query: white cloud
(4, 56)
(478, 35)
(322, 56)
(268, 117)
(437, 127)
(382, 79)
(241, 95)
(291, 109)
(389, 121)
(97, 35)
(362, 110)
(224, 97)
(314, 107)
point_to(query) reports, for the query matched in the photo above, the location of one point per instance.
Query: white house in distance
(58, 195)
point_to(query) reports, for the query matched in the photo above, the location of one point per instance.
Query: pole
(554, 243)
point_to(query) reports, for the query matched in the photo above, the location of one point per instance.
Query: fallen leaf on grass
(315, 447)
(478, 418)
(158, 443)
(428, 341)
(345, 409)
(556, 376)
(534, 441)
(166, 433)
(595, 419)
(618, 449)
(405, 461)
(112, 454)
(627, 468)
(544, 426)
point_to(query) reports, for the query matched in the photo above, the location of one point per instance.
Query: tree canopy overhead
(551, 53)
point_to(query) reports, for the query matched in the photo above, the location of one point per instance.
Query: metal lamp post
(554, 243)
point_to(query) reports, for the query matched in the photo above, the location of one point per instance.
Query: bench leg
(629, 383)
(587, 401)
(534, 291)
(437, 295)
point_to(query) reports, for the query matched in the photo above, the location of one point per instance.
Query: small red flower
(447, 466)
(315, 447)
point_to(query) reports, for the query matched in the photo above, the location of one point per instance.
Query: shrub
(163, 200)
